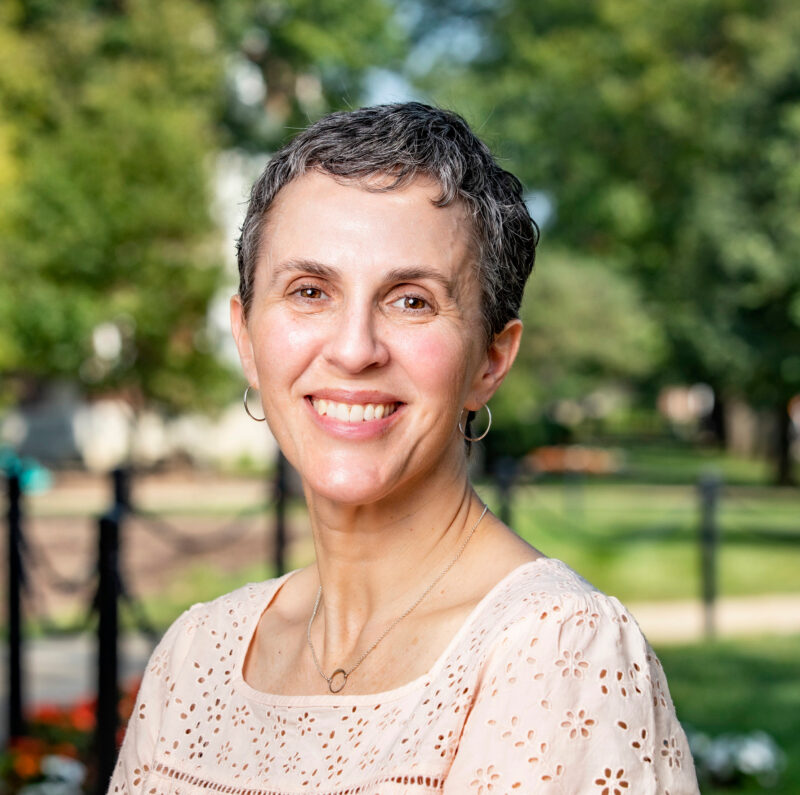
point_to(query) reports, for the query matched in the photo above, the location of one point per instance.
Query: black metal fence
(109, 591)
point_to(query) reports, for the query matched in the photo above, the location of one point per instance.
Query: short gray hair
(404, 141)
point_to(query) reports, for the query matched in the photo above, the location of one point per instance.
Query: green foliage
(667, 133)
(105, 216)
(583, 323)
(313, 57)
(112, 114)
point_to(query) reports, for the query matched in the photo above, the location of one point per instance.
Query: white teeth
(353, 412)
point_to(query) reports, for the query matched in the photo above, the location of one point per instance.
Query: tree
(312, 58)
(112, 114)
(667, 134)
(575, 341)
(109, 255)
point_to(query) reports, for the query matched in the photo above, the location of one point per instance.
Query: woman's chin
(349, 487)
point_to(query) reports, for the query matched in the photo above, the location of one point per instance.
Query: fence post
(279, 551)
(16, 719)
(709, 487)
(122, 488)
(109, 590)
(107, 656)
(505, 472)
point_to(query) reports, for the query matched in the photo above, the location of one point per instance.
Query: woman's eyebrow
(417, 273)
(309, 266)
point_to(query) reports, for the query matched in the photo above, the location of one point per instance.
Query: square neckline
(336, 701)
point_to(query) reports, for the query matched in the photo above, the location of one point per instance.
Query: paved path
(60, 670)
(683, 621)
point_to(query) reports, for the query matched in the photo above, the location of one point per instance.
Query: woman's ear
(496, 363)
(244, 346)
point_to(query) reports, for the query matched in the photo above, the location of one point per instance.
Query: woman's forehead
(321, 218)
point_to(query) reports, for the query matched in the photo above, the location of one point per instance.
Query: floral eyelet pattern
(549, 687)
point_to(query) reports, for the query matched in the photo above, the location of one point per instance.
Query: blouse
(548, 687)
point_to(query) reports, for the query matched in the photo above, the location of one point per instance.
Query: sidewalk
(61, 670)
(682, 621)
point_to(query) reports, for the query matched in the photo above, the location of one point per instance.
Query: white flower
(758, 753)
(728, 756)
(63, 769)
(721, 757)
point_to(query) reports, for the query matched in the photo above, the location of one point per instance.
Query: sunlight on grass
(741, 686)
(640, 541)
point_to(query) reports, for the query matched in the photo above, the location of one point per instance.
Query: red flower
(49, 714)
(27, 764)
(28, 745)
(66, 749)
(82, 716)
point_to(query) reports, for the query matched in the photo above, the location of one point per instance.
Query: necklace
(338, 679)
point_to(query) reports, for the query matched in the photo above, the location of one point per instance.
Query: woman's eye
(412, 303)
(309, 293)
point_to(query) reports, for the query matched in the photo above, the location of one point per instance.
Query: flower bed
(56, 756)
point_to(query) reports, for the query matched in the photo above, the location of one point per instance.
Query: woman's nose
(357, 340)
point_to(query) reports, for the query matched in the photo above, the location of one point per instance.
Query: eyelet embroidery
(528, 679)
(612, 782)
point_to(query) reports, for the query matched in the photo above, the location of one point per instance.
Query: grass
(676, 462)
(740, 687)
(630, 536)
(639, 541)
(635, 535)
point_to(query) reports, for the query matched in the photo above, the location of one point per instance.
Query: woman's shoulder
(546, 623)
(567, 690)
(548, 588)
(248, 598)
(545, 603)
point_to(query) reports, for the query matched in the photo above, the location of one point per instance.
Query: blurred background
(648, 435)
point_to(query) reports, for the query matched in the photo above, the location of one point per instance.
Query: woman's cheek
(286, 342)
(435, 360)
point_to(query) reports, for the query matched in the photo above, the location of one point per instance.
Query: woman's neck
(374, 560)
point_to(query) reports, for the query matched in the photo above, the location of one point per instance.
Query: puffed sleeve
(138, 747)
(573, 700)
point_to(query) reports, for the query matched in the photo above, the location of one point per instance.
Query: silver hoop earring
(247, 409)
(483, 435)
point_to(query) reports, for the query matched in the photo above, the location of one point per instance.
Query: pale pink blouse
(549, 687)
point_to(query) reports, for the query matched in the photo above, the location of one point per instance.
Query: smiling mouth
(353, 412)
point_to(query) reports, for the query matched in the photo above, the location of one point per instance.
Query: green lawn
(638, 541)
(741, 687)
(678, 462)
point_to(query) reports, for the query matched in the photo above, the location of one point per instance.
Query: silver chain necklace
(338, 679)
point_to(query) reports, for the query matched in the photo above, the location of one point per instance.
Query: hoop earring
(247, 409)
(483, 435)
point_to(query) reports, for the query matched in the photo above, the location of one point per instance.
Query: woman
(428, 649)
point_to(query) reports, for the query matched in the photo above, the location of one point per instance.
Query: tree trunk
(717, 422)
(783, 472)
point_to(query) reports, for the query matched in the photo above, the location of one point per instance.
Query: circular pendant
(337, 681)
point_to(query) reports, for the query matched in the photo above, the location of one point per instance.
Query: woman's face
(365, 336)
